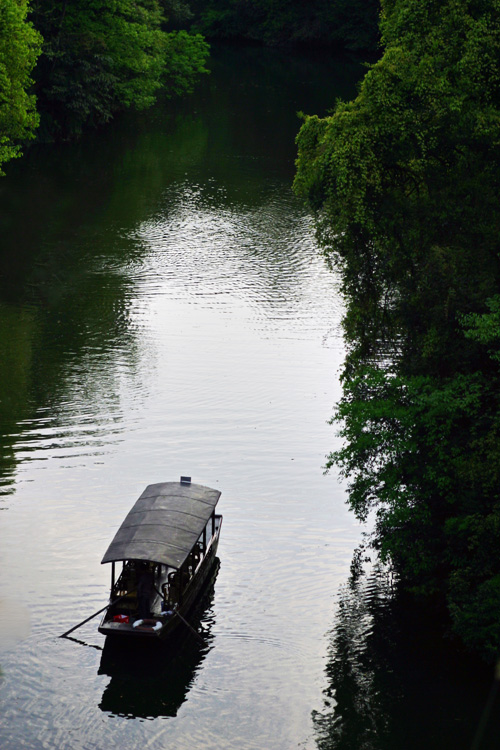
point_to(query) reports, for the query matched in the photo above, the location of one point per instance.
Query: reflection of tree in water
(153, 679)
(394, 681)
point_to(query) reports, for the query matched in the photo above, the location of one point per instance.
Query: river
(164, 310)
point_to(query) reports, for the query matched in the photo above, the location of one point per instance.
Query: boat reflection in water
(153, 678)
(395, 681)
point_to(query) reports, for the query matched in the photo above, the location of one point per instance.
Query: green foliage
(423, 454)
(485, 327)
(406, 175)
(404, 183)
(100, 56)
(347, 23)
(176, 10)
(474, 604)
(184, 62)
(19, 49)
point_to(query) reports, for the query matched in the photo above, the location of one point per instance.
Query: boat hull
(163, 626)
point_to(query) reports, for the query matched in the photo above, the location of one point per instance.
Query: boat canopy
(164, 524)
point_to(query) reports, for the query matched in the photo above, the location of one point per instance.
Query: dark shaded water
(396, 680)
(164, 311)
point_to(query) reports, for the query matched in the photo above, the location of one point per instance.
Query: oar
(95, 614)
(189, 626)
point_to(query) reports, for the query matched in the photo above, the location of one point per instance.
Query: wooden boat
(167, 546)
(138, 687)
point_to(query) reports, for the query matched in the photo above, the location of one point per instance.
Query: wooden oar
(95, 614)
(189, 626)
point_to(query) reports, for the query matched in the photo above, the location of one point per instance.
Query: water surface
(164, 311)
(396, 679)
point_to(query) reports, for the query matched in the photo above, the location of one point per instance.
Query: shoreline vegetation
(403, 182)
(70, 65)
(344, 25)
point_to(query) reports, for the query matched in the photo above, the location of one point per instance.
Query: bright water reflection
(163, 310)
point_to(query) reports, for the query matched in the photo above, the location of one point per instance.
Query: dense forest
(404, 183)
(69, 64)
(66, 65)
(346, 24)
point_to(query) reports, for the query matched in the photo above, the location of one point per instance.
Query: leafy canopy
(351, 24)
(19, 49)
(404, 181)
(100, 56)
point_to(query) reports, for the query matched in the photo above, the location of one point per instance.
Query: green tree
(405, 178)
(100, 56)
(404, 181)
(19, 49)
(351, 24)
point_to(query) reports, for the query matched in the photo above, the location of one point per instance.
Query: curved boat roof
(164, 524)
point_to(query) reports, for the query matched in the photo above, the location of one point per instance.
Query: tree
(19, 49)
(404, 181)
(351, 24)
(100, 56)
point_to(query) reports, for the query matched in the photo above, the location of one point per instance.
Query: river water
(164, 311)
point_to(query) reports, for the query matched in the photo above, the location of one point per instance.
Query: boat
(137, 687)
(167, 548)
